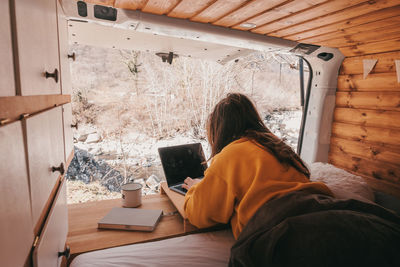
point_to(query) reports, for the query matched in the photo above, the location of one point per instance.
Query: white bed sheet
(205, 249)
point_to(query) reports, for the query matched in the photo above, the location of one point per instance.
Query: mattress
(204, 249)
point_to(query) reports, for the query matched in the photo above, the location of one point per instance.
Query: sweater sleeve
(209, 202)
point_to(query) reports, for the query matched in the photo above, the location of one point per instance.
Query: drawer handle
(58, 169)
(74, 125)
(72, 56)
(53, 75)
(65, 253)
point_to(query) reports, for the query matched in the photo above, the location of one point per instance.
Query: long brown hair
(235, 117)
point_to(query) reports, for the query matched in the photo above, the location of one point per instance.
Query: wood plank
(159, 7)
(367, 151)
(372, 168)
(16, 226)
(101, 2)
(177, 199)
(371, 48)
(347, 163)
(130, 4)
(217, 10)
(347, 13)
(84, 236)
(342, 33)
(309, 14)
(251, 9)
(379, 34)
(342, 25)
(11, 108)
(373, 135)
(187, 8)
(7, 81)
(280, 11)
(369, 100)
(354, 65)
(366, 117)
(373, 82)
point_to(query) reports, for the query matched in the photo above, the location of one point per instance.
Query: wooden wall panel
(387, 154)
(366, 130)
(372, 135)
(370, 100)
(385, 64)
(366, 167)
(368, 117)
(374, 82)
(372, 47)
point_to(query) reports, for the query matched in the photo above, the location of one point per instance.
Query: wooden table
(84, 236)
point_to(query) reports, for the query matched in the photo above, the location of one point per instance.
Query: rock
(82, 137)
(153, 182)
(84, 167)
(93, 138)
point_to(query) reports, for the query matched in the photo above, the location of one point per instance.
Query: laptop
(180, 162)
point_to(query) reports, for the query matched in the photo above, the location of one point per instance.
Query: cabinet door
(68, 136)
(7, 84)
(45, 145)
(36, 32)
(54, 234)
(63, 46)
(16, 229)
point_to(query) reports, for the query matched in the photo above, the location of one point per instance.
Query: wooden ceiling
(356, 27)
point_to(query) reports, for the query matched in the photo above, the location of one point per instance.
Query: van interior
(350, 112)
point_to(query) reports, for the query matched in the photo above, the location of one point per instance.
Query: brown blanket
(308, 229)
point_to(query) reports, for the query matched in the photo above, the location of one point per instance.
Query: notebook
(130, 219)
(182, 161)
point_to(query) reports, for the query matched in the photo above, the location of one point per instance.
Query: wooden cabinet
(68, 136)
(7, 83)
(16, 228)
(54, 233)
(35, 132)
(37, 46)
(44, 134)
(63, 47)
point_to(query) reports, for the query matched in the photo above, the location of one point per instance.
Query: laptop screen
(182, 161)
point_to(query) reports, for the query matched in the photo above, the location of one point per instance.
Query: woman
(250, 166)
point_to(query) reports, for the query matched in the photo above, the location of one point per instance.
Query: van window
(129, 103)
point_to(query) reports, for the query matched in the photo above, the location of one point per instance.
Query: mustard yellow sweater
(240, 179)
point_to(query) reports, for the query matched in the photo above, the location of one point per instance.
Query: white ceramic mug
(131, 195)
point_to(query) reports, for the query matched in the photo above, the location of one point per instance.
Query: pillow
(342, 183)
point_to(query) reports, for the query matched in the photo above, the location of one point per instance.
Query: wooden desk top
(84, 236)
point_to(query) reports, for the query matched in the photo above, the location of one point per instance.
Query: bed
(214, 248)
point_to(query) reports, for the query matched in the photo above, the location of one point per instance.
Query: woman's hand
(189, 182)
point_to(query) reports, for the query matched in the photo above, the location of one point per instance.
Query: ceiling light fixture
(248, 25)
